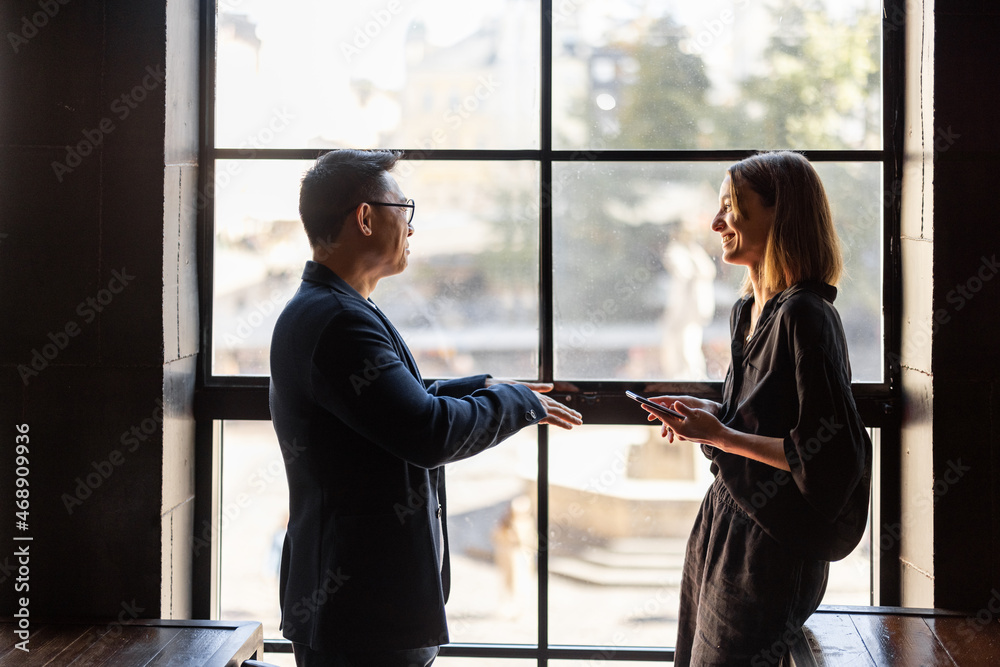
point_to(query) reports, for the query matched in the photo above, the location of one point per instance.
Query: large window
(565, 157)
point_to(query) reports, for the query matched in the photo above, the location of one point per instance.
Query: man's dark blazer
(365, 559)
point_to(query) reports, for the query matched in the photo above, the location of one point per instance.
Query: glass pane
(856, 195)
(468, 303)
(484, 662)
(640, 289)
(603, 657)
(472, 273)
(851, 580)
(492, 532)
(622, 503)
(425, 74)
(254, 518)
(717, 74)
(260, 250)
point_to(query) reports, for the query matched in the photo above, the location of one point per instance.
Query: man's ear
(362, 219)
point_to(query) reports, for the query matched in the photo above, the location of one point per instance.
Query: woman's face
(744, 238)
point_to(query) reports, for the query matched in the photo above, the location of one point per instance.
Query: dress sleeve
(826, 449)
(358, 376)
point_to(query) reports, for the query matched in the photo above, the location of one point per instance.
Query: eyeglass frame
(409, 203)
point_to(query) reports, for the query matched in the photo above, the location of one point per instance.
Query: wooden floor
(887, 636)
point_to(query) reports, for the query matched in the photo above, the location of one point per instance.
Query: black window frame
(602, 402)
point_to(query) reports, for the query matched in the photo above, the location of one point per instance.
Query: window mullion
(546, 323)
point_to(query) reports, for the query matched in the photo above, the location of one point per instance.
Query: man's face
(390, 231)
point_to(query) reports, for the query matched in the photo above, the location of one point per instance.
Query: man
(364, 568)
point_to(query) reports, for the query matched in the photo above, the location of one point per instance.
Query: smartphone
(655, 406)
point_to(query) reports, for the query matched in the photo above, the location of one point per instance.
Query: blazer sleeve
(458, 387)
(358, 376)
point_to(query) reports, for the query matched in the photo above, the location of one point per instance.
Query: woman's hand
(700, 423)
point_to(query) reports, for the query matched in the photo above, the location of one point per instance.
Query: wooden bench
(134, 642)
(888, 636)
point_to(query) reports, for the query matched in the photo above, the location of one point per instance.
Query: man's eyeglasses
(410, 204)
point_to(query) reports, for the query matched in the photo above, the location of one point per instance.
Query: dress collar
(828, 292)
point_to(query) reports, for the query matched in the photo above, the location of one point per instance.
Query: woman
(791, 457)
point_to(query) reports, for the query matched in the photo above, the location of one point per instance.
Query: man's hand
(556, 414)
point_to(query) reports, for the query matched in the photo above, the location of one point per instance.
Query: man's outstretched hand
(556, 414)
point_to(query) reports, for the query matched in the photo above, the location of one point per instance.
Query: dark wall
(81, 284)
(966, 357)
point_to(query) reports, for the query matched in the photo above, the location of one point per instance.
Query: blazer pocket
(388, 567)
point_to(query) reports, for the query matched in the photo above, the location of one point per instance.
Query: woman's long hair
(802, 243)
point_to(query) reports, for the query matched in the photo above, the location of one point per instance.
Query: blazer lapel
(401, 348)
